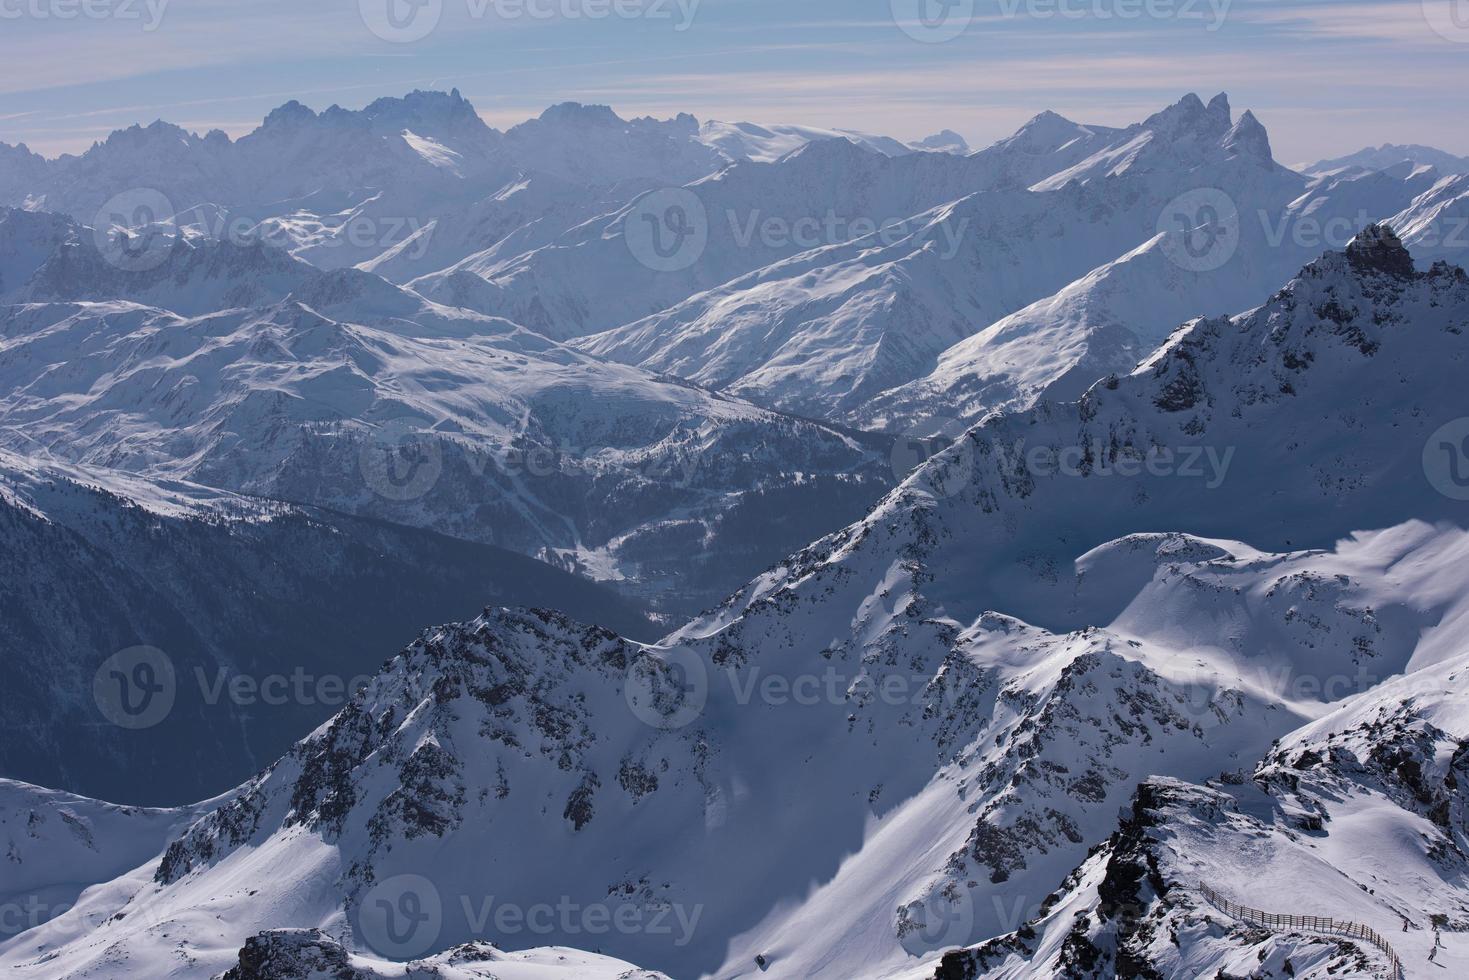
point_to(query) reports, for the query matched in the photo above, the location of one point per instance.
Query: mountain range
(663, 549)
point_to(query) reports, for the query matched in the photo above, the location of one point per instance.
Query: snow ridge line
(1307, 923)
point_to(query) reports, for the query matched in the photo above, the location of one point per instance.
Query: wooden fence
(1308, 923)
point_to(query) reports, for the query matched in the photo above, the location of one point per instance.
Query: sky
(1325, 77)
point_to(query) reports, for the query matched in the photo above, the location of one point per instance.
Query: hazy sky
(1325, 77)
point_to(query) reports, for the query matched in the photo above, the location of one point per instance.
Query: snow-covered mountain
(1161, 581)
(1436, 224)
(608, 271)
(1389, 155)
(766, 144)
(95, 563)
(825, 332)
(405, 186)
(355, 394)
(1358, 817)
(1108, 320)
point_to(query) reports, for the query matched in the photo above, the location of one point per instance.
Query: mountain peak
(1045, 131)
(1189, 116)
(1377, 249)
(946, 140)
(293, 113)
(1249, 138)
(574, 113)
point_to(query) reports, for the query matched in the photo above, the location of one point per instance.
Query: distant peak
(1045, 131)
(575, 113)
(292, 113)
(1190, 117)
(1249, 138)
(945, 140)
(1377, 249)
(1047, 120)
(829, 149)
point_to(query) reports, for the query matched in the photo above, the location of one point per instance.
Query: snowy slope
(1106, 321)
(975, 678)
(1359, 817)
(821, 334)
(766, 144)
(1389, 155)
(55, 845)
(328, 396)
(1436, 224)
(600, 274)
